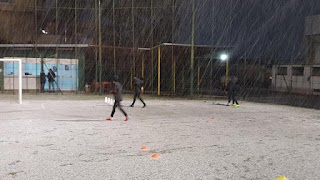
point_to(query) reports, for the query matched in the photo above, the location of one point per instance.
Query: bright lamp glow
(44, 31)
(224, 57)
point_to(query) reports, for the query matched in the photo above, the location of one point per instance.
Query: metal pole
(56, 25)
(142, 66)
(20, 82)
(35, 22)
(114, 38)
(96, 38)
(227, 72)
(76, 42)
(174, 75)
(35, 37)
(133, 39)
(56, 28)
(198, 79)
(75, 26)
(100, 49)
(192, 49)
(172, 40)
(152, 71)
(211, 77)
(159, 70)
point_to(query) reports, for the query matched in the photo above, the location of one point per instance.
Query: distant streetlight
(44, 31)
(225, 57)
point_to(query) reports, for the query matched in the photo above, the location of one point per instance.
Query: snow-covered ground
(69, 138)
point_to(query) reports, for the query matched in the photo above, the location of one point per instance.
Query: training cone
(155, 156)
(282, 178)
(144, 148)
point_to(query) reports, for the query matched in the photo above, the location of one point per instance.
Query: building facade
(304, 78)
(312, 39)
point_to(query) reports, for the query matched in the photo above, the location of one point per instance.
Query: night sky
(257, 28)
(265, 29)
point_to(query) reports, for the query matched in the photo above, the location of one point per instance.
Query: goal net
(11, 78)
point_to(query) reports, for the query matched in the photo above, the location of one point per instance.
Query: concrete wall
(307, 83)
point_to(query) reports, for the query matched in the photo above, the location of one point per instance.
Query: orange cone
(155, 156)
(144, 148)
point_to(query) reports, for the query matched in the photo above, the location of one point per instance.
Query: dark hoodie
(117, 92)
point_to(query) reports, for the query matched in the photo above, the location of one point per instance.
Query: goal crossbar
(20, 76)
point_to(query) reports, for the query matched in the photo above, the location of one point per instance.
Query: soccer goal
(6, 60)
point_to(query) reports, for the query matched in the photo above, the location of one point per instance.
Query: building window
(316, 71)
(297, 71)
(282, 71)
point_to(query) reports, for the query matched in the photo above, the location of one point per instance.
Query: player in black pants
(233, 90)
(138, 89)
(117, 92)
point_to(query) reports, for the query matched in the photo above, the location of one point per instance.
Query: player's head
(115, 78)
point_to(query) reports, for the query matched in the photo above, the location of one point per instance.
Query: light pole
(192, 48)
(225, 57)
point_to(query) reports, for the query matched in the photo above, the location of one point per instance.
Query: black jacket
(42, 77)
(117, 91)
(138, 83)
(51, 75)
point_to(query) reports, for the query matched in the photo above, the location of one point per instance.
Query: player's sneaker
(126, 119)
(237, 105)
(109, 119)
(143, 106)
(131, 105)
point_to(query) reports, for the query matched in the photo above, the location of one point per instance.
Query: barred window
(297, 71)
(282, 71)
(316, 71)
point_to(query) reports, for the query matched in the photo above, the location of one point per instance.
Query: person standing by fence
(51, 75)
(42, 80)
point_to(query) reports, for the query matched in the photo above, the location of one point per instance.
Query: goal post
(20, 75)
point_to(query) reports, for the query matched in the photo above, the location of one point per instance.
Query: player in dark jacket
(138, 89)
(117, 93)
(233, 90)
